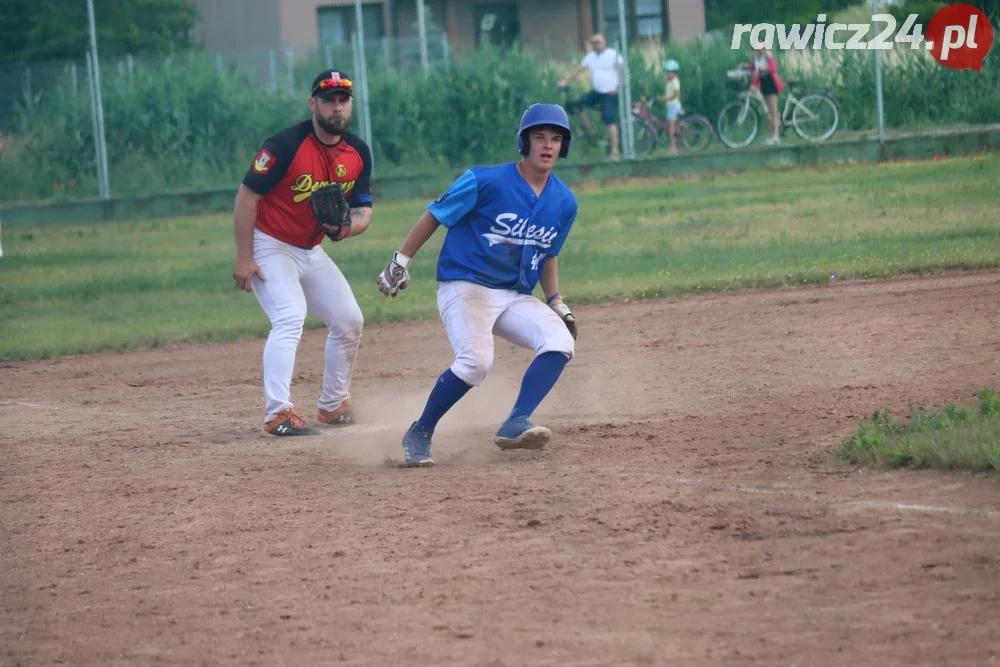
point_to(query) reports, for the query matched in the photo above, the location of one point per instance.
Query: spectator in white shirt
(607, 69)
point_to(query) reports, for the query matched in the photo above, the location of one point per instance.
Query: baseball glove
(331, 211)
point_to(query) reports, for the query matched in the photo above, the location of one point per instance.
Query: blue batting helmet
(672, 66)
(544, 114)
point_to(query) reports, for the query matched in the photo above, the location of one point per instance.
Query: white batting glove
(394, 276)
(566, 315)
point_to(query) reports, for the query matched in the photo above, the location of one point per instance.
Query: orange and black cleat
(342, 416)
(288, 423)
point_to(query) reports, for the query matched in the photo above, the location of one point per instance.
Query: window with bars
(497, 23)
(649, 18)
(337, 24)
(643, 19)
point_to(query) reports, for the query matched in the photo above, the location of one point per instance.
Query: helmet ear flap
(522, 144)
(564, 150)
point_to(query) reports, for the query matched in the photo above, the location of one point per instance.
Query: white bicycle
(815, 115)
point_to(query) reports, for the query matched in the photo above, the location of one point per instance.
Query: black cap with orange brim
(332, 81)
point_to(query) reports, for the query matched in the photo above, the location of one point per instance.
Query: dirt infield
(688, 510)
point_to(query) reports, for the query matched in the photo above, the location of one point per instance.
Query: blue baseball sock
(538, 381)
(447, 391)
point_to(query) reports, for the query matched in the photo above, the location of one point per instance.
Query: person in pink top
(765, 78)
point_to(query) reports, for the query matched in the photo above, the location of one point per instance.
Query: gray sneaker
(520, 433)
(417, 448)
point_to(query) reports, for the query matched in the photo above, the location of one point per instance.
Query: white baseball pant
(472, 313)
(297, 280)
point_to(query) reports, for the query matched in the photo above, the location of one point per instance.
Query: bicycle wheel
(644, 136)
(816, 117)
(695, 133)
(738, 129)
(585, 141)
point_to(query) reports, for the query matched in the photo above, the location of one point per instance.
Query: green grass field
(955, 438)
(117, 286)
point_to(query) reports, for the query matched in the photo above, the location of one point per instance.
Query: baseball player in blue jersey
(506, 225)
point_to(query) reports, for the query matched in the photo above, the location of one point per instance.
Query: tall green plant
(182, 123)
(187, 123)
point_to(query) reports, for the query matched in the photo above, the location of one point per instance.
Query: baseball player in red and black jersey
(278, 253)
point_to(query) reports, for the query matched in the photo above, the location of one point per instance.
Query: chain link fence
(193, 121)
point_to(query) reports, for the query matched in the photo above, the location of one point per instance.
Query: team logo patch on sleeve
(340, 170)
(263, 162)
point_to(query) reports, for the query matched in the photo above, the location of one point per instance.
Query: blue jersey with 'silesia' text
(499, 232)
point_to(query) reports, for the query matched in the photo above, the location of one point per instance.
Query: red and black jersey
(291, 166)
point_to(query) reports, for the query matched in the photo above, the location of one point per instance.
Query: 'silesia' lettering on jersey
(499, 231)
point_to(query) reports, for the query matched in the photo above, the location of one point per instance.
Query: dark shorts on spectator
(767, 85)
(606, 102)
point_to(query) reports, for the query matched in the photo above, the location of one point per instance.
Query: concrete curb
(912, 147)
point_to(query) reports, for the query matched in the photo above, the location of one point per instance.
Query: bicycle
(815, 115)
(581, 133)
(694, 131)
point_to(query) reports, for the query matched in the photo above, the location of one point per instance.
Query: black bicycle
(582, 131)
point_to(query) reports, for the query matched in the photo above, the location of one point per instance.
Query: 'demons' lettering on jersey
(306, 186)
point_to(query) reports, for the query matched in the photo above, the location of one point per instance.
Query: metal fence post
(98, 153)
(625, 94)
(363, 72)
(359, 27)
(98, 105)
(356, 73)
(290, 66)
(272, 65)
(422, 30)
(625, 110)
(446, 51)
(880, 109)
(366, 120)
